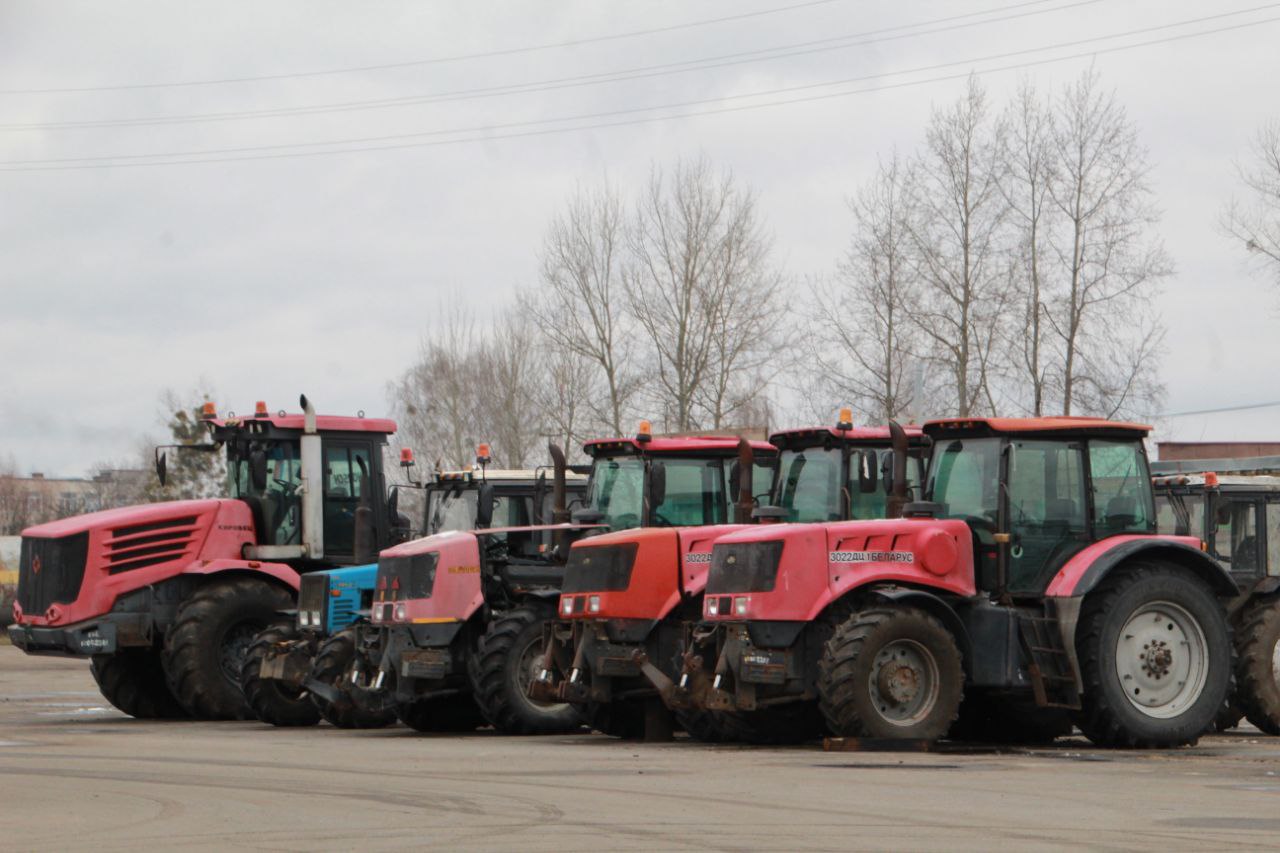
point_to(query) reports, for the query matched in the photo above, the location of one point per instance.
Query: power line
(35, 165)
(489, 54)
(1246, 408)
(620, 75)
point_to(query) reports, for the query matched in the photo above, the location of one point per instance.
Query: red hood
(138, 514)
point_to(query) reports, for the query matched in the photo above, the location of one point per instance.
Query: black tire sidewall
(557, 715)
(1197, 600)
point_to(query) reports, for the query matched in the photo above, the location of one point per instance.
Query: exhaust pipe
(312, 484)
(898, 497)
(746, 494)
(559, 500)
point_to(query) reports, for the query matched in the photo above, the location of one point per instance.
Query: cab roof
(530, 474)
(692, 445)
(324, 423)
(1062, 426)
(813, 435)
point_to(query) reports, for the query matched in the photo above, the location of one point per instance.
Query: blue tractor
(296, 671)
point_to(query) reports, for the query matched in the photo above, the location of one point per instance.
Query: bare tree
(506, 394)
(1256, 223)
(698, 282)
(963, 299)
(564, 396)
(580, 307)
(1030, 168)
(865, 345)
(1109, 262)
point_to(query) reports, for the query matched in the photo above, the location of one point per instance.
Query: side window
(1235, 539)
(345, 466)
(1180, 514)
(1273, 538)
(1121, 488)
(694, 494)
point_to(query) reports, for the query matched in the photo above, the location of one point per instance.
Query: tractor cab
(1237, 517)
(1037, 491)
(840, 472)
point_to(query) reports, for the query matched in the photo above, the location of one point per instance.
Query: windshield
(453, 510)
(809, 484)
(277, 508)
(965, 478)
(617, 491)
(695, 492)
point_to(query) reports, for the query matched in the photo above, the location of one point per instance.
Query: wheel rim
(904, 682)
(528, 668)
(235, 644)
(1162, 659)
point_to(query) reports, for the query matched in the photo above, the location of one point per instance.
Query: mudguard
(1086, 569)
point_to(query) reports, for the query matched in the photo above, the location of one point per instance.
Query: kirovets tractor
(165, 598)
(628, 597)
(1031, 574)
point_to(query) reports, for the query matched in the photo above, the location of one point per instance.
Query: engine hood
(127, 515)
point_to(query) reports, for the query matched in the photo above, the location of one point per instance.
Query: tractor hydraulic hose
(746, 493)
(898, 498)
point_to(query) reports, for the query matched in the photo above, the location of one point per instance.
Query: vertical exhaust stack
(898, 497)
(746, 474)
(312, 484)
(559, 498)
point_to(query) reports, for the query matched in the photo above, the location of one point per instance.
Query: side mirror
(867, 472)
(484, 505)
(886, 472)
(735, 482)
(162, 468)
(258, 470)
(657, 484)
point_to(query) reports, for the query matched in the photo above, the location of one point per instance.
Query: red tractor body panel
(669, 563)
(1068, 578)
(140, 546)
(821, 563)
(455, 593)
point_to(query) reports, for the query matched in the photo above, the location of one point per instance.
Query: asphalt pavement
(77, 775)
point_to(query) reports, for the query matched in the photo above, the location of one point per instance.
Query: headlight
(304, 618)
(375, 613)
(399, 613)
(740, 606)
(593, 604)
(316, 621)
(566, 605)
(713, 607)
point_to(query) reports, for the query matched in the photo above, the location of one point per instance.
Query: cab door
(349, 481)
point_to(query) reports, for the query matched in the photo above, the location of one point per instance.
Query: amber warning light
(260, 409)
(645, 433)
(406, 457)
(845, 419)
(209, 411)
(482, 454)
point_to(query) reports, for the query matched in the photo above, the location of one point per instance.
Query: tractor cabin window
(617, 490)
(1047, 517)
(695, 494)
(1273, 538)
(1236, 542)
(277, 510)
(965, 479)
(346, 474)
(1180, 513)
(809, 484)
(1121, 489)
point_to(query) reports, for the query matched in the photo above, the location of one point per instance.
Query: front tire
(333, 662)
(1258, 666)
(505, 664)
(891, 672)
(204, 650)
(133, 681)
(1155, 658)
(270, 700)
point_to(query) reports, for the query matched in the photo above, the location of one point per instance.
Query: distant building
(25, 501)
(1224, 457)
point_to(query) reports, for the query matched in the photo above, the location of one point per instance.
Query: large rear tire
(1258, 666)
(332, 663)
(270, 700)
(506, 661)
(133, 681)
(204, 650)
(457, 713)
(1155, 658)
(891, 672)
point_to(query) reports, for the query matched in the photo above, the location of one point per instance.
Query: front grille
(413, 576)
(50, 571)
(137, 546)
(745, 567)
(599, 568)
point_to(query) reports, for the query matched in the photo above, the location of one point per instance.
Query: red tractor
(617, 650)
(165, 598)
(463, 620)
(1031, 576)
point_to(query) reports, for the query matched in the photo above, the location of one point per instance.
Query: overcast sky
(322, 273)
